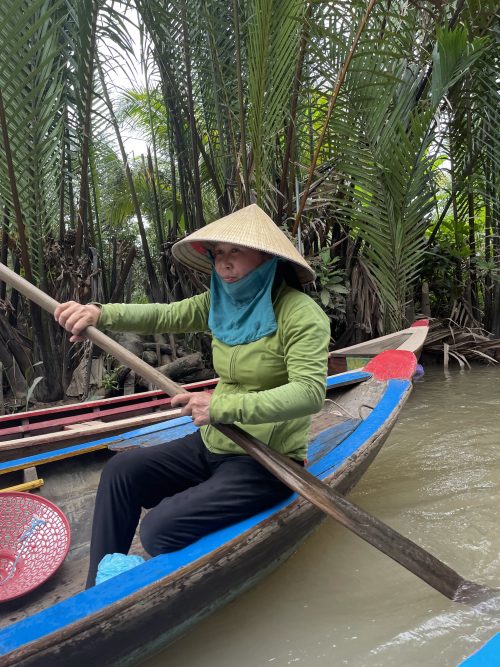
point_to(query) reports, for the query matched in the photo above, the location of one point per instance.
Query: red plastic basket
(34, 540)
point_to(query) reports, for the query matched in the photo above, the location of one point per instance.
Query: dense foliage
(369, 133)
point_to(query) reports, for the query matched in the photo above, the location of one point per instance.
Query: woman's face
(233, 262)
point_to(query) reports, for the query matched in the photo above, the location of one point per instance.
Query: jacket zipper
(232, 362)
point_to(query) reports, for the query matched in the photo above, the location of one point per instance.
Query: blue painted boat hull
(487, 656)
(140, 611)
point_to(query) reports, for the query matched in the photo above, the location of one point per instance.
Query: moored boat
(143, 609)
(356, 356)
(51, 428)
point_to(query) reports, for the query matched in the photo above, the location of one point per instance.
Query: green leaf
(325, 297)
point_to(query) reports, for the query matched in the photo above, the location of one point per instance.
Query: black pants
(191, 491)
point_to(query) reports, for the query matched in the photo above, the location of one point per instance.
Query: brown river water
(337, 601)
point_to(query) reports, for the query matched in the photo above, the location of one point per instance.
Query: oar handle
(98, 337)
(27, 289)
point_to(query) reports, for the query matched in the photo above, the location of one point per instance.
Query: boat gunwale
(414, 342)
(141, 396)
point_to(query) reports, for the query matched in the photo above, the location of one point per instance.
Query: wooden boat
(44, 430)
(137, 612)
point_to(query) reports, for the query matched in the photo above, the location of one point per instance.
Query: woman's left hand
(197, 405)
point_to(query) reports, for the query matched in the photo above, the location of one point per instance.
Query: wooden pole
(24, 487)
(2, 404)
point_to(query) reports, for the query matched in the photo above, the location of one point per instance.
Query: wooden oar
(382, 537)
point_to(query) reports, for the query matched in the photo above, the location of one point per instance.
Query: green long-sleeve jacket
(270, 387)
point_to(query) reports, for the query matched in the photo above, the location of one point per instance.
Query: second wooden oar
(411, 556)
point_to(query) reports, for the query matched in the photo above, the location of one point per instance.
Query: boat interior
(70, 477)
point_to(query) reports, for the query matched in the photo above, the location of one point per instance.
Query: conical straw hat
(249, 227)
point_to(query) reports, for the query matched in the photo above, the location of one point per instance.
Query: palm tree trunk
(82, 222)
(192, 124)
(117, 295)
(98, 229)
(331, 105)
(472, 223)
(51, 388)
(243, 140)
(173, 177)
(4, 249)
(152, 277)
(290, 132)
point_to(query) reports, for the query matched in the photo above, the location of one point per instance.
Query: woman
(270, 348)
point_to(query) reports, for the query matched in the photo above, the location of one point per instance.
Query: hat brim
(249, 227)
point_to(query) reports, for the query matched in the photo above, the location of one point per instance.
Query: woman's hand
(197, 405)
(75, 317)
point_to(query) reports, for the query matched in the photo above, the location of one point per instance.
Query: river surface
(338, 601)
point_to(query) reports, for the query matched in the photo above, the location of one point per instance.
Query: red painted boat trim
(393, 365)
(25, 422)
(97, 413)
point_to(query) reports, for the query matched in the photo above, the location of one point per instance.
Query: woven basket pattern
(34, 541)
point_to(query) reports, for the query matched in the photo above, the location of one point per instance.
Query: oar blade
(471, 593)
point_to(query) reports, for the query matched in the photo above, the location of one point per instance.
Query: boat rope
(365, 405)
(349, 414)
(341, 407)
(36, 522)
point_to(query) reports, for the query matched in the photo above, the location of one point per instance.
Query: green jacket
(270, 387)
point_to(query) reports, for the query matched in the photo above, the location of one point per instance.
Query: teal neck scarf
(242, 312)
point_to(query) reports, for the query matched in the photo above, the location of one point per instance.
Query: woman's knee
(160, 534)
(121, 467)
(121, 480)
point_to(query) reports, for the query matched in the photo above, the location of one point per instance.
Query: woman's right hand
(76, 317)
